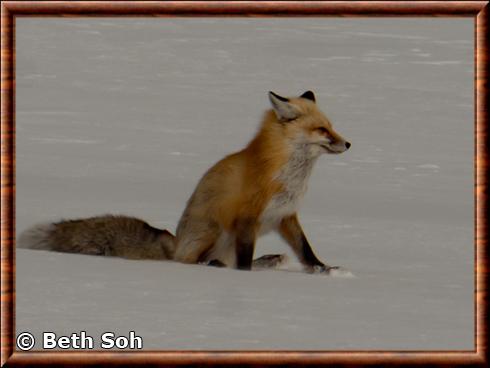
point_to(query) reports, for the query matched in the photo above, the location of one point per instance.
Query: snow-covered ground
(125, 115)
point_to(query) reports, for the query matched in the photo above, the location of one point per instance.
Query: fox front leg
(291, 231)
(245, 243)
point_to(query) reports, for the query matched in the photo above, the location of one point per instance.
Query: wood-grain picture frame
(13, 10)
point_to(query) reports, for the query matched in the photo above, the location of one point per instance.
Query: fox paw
(214, 263)
(324, 269)
(333, 271)
(269, 261)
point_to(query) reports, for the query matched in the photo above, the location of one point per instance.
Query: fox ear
(283, 109)
(309, 96)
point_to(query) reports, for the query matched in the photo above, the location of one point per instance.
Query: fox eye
(322, 130)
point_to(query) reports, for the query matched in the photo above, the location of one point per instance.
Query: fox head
(304, 124)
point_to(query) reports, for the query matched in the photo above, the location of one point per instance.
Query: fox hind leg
(193, 247)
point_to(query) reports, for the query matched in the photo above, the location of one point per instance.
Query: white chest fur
(294, 178)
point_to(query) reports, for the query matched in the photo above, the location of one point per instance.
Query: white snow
(428, 166)
(125, 115)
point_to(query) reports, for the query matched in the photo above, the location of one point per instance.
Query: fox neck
(296, 171)
(283, 158)
(283, 163)
(292, 180)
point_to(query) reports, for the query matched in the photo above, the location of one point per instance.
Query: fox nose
(347, 145)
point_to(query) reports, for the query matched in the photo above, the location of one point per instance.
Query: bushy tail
(36, 237)
(109, 235)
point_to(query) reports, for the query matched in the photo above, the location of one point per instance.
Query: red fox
(245, 195)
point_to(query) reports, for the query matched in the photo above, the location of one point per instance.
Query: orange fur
(239, 188)
(240, 198)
